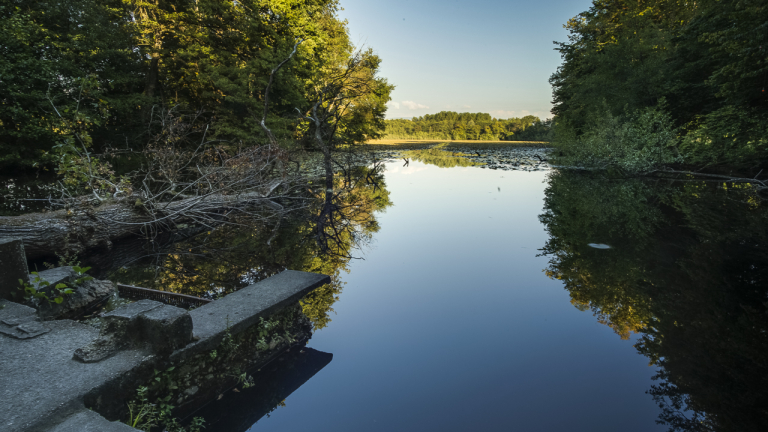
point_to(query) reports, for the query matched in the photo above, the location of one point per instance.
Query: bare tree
(335, 96)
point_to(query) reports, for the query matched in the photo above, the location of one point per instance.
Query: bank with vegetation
(449, 125)
(653, 84)
(152, 116)
(110, 75)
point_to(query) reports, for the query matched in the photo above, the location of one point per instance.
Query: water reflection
(230, 257)
(440, 157)
(26, 194)
(687, 272)
(239, 411)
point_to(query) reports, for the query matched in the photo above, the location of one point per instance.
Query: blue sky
(468, 56)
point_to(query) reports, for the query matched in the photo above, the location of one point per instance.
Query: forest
(107, 78)
(650, 84)
(449, 125)
(150, 117)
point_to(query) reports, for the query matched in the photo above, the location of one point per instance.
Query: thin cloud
(413, 105)
(500, 114)
(393, 104)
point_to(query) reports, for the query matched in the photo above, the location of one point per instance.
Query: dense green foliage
(50, 50)
(111, 71)
(448, 125)
(702, 65)
(686, 272)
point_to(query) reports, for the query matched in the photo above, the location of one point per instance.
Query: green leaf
(58, 300)
(61, 286)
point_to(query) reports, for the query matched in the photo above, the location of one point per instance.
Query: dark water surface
(450, 324)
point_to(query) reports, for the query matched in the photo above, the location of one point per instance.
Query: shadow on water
(239, 411)
(687, 271)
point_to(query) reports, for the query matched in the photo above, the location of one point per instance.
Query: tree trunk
(46, 234)
(62, 231)
(152, 76)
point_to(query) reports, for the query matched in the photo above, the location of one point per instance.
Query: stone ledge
(41, 384)
(145, 324)
(89, 421)
(242, 309)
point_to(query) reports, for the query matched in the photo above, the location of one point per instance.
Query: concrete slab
(89, 421)
(242, 309)
(19, 321)
(166, 329)
(40, 383)
(13, 314)
(146, 323)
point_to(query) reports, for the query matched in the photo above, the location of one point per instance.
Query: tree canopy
(108, 69)
(449, 125)
(704, 64)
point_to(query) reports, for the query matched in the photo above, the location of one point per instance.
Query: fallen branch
(73, 232)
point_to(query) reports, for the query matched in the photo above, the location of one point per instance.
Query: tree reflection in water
(440, 157)
(688, 272)
(228, 258)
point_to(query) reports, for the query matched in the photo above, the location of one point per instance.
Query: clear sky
(493, 56)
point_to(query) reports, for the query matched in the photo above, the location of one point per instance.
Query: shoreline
(414, 141)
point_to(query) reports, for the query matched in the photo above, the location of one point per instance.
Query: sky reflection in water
(450, 324)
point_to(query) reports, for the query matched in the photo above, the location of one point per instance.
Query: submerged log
(73, 232)
(63, 231)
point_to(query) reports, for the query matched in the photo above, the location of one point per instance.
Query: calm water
(509, 300)
(450, 324)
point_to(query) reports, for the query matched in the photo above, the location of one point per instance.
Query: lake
(516, 298)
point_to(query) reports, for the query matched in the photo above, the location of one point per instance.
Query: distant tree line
(449, 125)
(656, 83)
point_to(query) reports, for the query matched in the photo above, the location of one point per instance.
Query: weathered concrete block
(132, 311)
(13, 266)
(145, 323)
(86, 296)
(166, 328)
(119, 330)
(53, 277)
